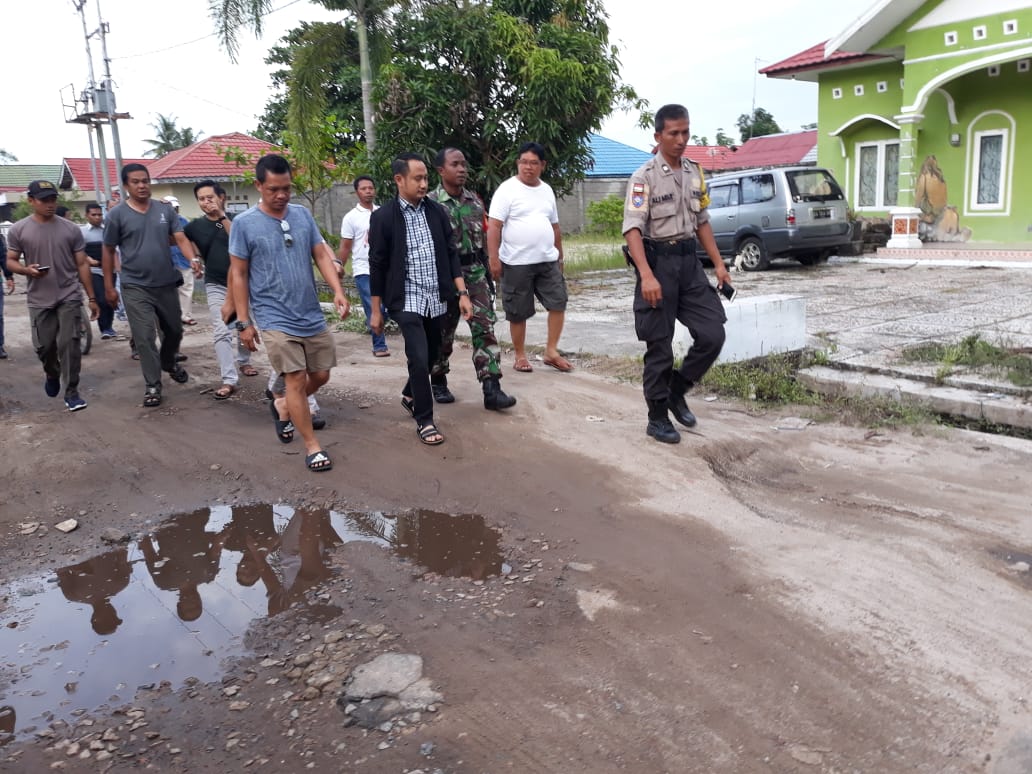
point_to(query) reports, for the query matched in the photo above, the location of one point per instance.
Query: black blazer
(388, 253)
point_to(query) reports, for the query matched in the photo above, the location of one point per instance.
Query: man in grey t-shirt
(56, 267)
(142, 229)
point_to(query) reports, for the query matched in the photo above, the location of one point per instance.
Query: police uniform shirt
(665, 202)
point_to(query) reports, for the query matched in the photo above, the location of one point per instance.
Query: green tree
(340, 82)
(703, 140)
(7, 158)
(724, 140)
(231, 15)
(486, 76)
(169, 137)
(757, 125)
(606, 215)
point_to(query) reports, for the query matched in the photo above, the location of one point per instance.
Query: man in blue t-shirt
(271, 248)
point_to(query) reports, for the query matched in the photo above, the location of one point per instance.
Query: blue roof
(614, 159)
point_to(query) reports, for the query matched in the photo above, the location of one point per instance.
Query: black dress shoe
(442, 394)
(181, 358)
(680, 410)
(663, 431)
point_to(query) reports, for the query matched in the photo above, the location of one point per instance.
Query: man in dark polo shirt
(142, 228)
(209, 234)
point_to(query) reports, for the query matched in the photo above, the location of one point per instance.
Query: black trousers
(107, 314)
(422, 344)
(689, 298)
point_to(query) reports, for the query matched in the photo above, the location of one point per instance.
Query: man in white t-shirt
(525, 251)
(354, 244)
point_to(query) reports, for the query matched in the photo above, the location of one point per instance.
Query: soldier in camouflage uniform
(467, 219)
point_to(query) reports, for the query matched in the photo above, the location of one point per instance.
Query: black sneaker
(74, 403)
(442, 394)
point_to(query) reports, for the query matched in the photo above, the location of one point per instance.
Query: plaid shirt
(422, 293)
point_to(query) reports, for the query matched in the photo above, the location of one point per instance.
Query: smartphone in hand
(43, 269)
(727, 292)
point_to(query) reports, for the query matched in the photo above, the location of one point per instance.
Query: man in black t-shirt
(210, 237)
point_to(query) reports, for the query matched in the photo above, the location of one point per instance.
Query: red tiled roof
(777, 150)
(712, 158)
(204, 159)
(813, 59)
(78, 173)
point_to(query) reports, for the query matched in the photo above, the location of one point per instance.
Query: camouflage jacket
(467, 219)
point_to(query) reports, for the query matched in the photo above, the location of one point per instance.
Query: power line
(195, 40)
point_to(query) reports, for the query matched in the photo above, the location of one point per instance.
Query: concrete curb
(994, 407)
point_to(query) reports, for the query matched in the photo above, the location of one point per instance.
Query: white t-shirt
(527, 214)
(355, 227)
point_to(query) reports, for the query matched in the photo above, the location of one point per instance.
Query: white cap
(171, 200)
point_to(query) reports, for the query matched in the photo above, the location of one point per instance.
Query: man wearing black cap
(54, 254)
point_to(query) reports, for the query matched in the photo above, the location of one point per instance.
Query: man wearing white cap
(185, 268)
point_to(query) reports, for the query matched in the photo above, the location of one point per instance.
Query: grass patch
(973, 352)
(769, 381)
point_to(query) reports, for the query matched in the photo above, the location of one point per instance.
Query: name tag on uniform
(638, 195)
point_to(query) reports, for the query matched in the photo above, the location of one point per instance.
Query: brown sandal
(224, 392)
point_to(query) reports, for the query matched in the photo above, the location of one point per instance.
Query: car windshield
(813, 185)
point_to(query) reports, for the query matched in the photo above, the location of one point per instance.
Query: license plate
(821, 213)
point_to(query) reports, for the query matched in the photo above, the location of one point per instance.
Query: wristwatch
(463, 292)
(242, 325)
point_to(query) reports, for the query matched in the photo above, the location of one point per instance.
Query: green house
(925, 115)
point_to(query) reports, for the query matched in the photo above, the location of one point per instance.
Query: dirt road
(753, 600)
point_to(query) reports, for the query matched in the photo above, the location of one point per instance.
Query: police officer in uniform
(664, 215)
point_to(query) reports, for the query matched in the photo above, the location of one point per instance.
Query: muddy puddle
(175, 604)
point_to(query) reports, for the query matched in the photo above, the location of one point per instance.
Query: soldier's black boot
(660, 427)
(439, 387)
(676, 404)
(494, 398)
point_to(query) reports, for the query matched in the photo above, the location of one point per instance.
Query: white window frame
(980, 32)
(994, 70)
(858, 90)
(1023, 65)
(1010, 27)
(950, 38)
(882, 87)
(976, 157)
(836, 93)
(879, 190)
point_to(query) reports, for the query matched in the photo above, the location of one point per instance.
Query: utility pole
(112, 116)
(87, 99)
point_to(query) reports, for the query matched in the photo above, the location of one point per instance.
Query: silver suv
(783, 212)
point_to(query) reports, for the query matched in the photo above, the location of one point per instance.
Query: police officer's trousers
(688, 297)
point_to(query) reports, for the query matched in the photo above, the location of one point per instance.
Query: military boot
(676, 404)
(439, 387)
(660, 427)
(494, 398)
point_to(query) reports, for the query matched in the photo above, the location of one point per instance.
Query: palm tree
(168, 137)
(231, 15)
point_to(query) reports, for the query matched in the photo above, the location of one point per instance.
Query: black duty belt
(660, 248)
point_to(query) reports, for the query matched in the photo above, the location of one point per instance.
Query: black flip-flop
(319, 462)
(284, 428)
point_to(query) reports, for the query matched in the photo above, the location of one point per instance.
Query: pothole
(175, 604)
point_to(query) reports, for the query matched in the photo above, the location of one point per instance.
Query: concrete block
(756, 326)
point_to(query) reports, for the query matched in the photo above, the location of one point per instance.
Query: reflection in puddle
(179, 601)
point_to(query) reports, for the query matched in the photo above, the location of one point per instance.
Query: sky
(165, 60)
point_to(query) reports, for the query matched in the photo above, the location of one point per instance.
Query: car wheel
(754, 257)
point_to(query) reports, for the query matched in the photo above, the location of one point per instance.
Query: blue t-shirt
(280, 277)
(177, 255)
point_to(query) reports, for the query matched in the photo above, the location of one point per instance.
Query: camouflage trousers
(486, 353)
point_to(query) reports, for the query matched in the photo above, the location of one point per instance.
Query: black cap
(42, 189)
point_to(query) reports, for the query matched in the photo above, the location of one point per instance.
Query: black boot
(494, 398)
(675, 403)
(439, 386)
(660, 427)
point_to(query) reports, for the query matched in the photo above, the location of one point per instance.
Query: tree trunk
(366, 71)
